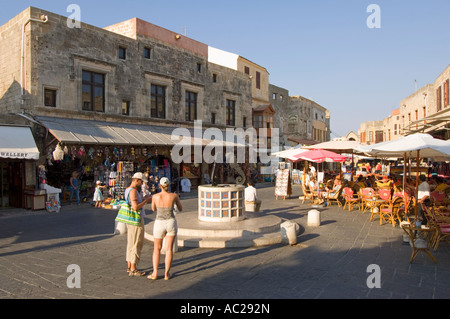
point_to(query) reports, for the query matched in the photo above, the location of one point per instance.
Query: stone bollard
(289, 232)
(314, 218)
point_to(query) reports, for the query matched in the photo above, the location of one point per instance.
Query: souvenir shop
(113, 166)
(18, 158)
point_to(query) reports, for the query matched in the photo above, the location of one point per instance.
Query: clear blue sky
(322, 49)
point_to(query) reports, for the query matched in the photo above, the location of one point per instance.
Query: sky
(357, 62)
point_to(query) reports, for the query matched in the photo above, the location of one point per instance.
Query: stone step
(255, 230)
(254, 240)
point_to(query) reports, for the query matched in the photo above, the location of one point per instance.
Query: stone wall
(58, 54)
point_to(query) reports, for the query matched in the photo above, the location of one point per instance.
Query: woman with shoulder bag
(135, 234)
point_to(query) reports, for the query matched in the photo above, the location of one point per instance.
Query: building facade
(426, 110)
(115, 94)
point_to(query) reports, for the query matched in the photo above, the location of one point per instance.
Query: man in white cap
(135, 234)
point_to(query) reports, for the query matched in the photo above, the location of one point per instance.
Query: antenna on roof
(184, 30)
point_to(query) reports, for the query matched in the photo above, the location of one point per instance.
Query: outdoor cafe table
(375, 202)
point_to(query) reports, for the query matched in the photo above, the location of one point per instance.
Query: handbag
(127, 214)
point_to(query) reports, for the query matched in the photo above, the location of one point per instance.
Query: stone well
(221, 203)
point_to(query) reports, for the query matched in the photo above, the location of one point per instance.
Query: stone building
(426, 110)
(70, 85)
(305, 120)
(371, 132)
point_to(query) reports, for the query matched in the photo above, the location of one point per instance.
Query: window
(147, 53)
(231, 112)
(191, 106)
(438, 99)
(213, 118)
(274, 96)
(257, 121)
(50, 97)
(247, 70)
(258, 80)
(93, 91)
(122, 53)
(244, 122)
(125, 107)
(158, 101)
(214, 78)
(199, 67)
(446, 93)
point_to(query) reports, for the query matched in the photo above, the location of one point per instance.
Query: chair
(367, 195)
(419, 243)
(440, 223)
(334, 197)
(307, 194)
(350, 198)
(439, 200)
(385, 194)
(391, 212)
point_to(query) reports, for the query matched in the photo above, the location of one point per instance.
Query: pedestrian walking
(165, 226)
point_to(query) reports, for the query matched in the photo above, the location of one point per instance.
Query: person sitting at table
(361, 183)
(441, 186)
(385, 183)
(336, 185)
(314, 188)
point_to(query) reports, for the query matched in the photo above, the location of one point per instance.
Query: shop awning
(17, 142)
(73, 131)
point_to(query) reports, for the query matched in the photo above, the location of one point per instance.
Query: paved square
(329, 261)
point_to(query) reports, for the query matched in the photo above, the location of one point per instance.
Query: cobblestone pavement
(329, 261)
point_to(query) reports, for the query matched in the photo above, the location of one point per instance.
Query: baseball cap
(140, 176)
(164, 181)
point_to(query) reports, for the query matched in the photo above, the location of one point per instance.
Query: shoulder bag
(127, 214)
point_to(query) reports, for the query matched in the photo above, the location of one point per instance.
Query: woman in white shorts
(165, 226)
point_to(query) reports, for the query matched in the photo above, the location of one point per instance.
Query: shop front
(107, 152)
(18, 158)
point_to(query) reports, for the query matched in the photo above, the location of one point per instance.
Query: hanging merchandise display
(58, 153)
(113, 166)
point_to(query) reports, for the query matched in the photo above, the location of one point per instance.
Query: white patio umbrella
(336, 146)
(290, 153)
(415, 145)
(427, 145)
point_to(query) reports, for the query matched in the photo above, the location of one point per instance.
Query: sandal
(136, 273)
(167, 277)
(152, 277)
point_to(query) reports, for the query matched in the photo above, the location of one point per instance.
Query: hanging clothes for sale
(185, 184)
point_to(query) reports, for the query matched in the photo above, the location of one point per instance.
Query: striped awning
(75, 131)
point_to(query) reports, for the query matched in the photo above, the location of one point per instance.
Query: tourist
(98, 196)
(75, 184)
(165, 226)
(423, 198)
(251, 197)
(135, 234)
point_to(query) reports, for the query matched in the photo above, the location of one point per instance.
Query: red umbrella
(319, 156)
